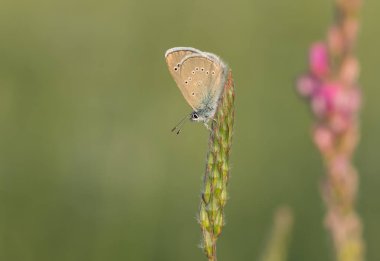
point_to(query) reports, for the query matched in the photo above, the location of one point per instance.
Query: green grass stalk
(214, 193)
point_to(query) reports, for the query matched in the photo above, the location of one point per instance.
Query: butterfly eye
(193, 72)
(202, 69)
(195, 116)
(196, 68)
(186, 82)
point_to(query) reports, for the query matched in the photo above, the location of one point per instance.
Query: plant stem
(277, 246)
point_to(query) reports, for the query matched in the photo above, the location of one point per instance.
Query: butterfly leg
(207, 126)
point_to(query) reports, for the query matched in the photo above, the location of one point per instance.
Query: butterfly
(200, 76)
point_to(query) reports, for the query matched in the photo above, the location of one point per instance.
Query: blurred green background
(89, 169)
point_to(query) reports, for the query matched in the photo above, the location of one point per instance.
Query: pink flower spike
(319, 61)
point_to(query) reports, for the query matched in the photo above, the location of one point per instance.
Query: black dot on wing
(192, 93)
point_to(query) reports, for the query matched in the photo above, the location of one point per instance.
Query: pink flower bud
(340, 165)
(349, 71)
(350, 29)
(354, 99)
(319, 61)
(307, 85)
(323, 102)
(323, 138)
(319, 106)
(335, 40)
(348, 102)
(339, 122)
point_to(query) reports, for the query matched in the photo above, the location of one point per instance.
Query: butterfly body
(200, 76)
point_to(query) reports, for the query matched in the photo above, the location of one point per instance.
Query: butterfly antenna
(179, 125)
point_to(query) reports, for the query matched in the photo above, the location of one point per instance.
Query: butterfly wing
(201, 79)
(174, 56)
